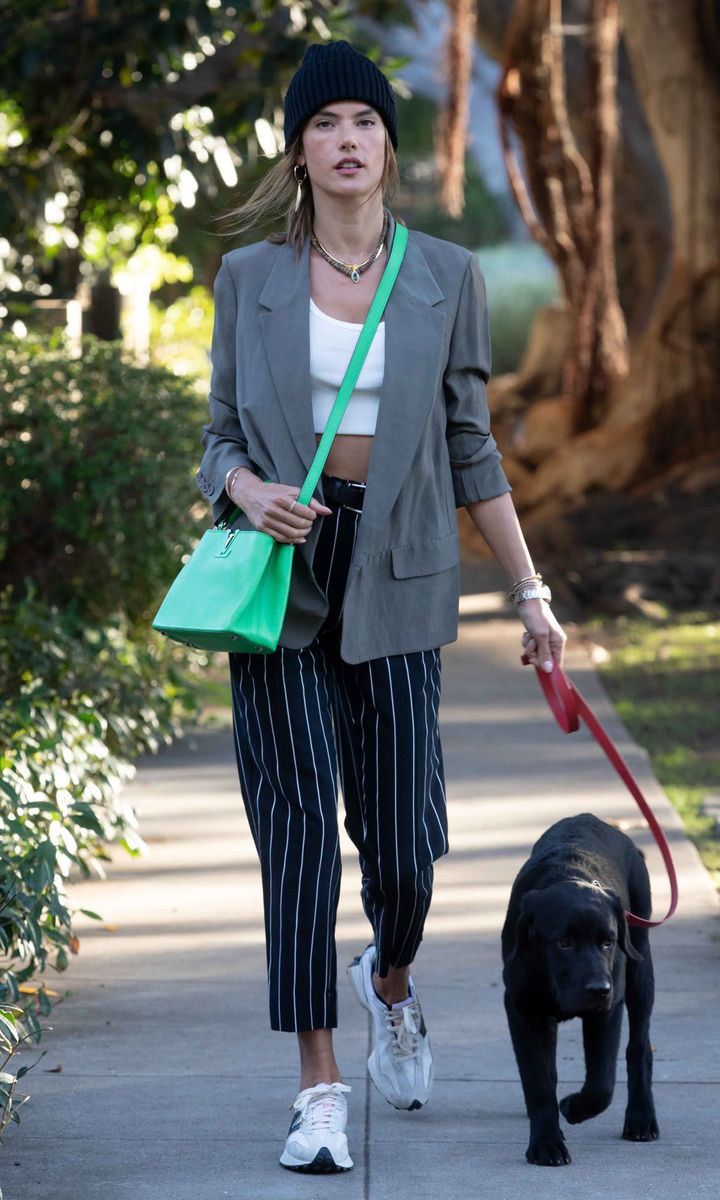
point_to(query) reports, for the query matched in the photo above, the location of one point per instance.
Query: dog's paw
(572, 1108)
(548, 1150)
(641, 1127)
(581, 1106)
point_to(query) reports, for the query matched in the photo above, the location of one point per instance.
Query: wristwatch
(533, 591)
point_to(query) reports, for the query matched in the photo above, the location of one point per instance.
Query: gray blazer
(432, 452)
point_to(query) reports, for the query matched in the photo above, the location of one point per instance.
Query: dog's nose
(597, 991)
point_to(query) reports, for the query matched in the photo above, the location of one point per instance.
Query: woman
(354, 685)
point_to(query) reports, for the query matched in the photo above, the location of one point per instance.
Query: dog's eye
(566, 944)
(607, 942)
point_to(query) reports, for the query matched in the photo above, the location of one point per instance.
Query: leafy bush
(97, 507)
(11, 1037)
(77, 705)
(97, 458)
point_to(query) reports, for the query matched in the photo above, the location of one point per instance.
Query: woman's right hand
(267, 506)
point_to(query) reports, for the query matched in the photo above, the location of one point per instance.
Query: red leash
(568, 706)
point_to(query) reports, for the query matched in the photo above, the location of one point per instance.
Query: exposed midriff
(349, 455)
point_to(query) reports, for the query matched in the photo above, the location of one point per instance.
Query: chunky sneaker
(316, 1140)
(400, 1064)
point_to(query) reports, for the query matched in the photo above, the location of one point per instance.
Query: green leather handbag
(233, 591)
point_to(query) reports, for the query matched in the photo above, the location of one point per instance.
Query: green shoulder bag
(233, 591)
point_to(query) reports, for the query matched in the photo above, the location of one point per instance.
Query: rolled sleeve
(223, 440)
(474, 456)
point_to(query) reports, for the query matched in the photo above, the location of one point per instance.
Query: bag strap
(359, 354)
(568, 706)
(354, 367)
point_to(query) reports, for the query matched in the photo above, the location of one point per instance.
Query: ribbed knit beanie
(336, 71)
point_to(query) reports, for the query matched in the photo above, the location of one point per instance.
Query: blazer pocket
(425, 558)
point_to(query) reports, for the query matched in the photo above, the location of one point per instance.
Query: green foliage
(97, 506)
(12, 1034)
(96, 461)
(181, 334)
(77, 704)
(123, 124)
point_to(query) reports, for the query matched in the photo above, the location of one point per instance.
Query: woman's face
(344, 129)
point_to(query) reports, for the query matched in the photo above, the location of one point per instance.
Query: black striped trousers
(299, 716)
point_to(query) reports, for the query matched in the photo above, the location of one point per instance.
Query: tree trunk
(667, 246)
(572, 193)
(643, 232)
(628, 510)
(673, 50)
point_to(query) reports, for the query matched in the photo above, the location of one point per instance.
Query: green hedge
(97, 506)
(77, 705)
(97, 484)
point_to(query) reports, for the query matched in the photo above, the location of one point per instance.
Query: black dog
(568, 952)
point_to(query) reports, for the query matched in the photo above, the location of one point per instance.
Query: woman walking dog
(354, 685)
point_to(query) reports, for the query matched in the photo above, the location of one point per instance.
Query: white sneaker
(400, 1064)
(316, 1140)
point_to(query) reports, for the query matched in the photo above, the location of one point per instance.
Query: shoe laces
(320, 1107)
(405, 1024)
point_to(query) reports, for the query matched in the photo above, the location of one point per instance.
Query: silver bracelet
(535, 578)
(229, 475)
(532, 592)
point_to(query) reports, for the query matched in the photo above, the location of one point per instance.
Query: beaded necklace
(354, 270)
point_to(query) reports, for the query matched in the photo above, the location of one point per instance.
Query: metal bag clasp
(231, 534)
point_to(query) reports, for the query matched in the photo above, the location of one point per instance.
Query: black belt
(346, 493)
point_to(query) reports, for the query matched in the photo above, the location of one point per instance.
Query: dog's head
(572, 932)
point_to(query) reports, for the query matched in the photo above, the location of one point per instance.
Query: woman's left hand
(544, 639)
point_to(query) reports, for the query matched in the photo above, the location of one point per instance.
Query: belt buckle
(344, 487)
(351, 487)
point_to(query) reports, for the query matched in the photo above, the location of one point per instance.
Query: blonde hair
(275, 196)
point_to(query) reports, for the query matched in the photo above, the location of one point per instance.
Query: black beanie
(336, 71)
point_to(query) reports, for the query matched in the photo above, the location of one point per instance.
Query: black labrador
(568, 952)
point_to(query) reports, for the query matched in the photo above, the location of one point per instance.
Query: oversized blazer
(433, 449)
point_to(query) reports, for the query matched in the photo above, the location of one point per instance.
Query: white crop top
(331, 344)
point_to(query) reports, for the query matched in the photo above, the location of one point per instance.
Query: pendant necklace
(354, 270)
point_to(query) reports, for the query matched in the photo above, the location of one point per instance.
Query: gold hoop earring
(300, 182)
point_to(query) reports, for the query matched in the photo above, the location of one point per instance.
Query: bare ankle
(394, 987)
(317, 1059)
(310, 1079)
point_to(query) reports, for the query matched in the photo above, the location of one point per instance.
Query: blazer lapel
(414, 331)
(286, 332)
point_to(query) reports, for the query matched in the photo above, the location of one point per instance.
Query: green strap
(354, 368)
(359, 354)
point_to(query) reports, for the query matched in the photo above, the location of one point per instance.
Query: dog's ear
(524, 924)
(622, 927)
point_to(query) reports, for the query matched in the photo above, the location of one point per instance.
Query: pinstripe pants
(299, 715)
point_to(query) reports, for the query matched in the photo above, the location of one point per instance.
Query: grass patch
(664, 680)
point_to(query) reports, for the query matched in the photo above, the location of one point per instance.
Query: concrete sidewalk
(162, 1080)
